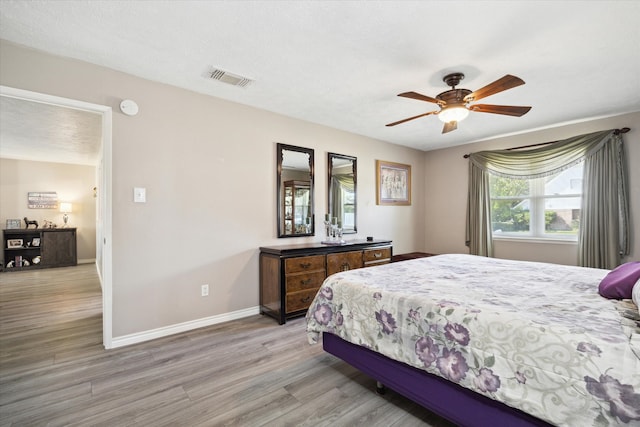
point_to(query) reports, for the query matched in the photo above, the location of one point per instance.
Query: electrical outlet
(204, 290)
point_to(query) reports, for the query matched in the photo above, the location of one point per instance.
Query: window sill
(536, 240)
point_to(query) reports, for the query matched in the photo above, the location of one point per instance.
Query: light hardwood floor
(54, 370)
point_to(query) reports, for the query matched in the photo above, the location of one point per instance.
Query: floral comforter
(535, 336)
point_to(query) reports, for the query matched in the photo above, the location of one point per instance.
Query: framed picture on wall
(393, 183)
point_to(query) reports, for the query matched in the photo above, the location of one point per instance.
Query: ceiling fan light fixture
(455, 113)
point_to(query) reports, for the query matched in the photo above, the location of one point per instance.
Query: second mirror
(342, 191)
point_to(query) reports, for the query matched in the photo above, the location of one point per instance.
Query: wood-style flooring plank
(250, 372)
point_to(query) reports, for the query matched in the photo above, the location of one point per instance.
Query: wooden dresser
(290, 275)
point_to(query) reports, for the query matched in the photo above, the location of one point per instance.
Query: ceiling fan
(454, 103)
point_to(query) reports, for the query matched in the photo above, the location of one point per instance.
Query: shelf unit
(39, 248)
(297, 207)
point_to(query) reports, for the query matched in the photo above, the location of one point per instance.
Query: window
(546, 207)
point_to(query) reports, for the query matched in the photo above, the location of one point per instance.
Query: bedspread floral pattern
(535, 336)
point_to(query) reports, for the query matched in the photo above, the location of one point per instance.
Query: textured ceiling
(341, 64)
(44, 132)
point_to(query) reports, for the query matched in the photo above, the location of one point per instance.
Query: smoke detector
(229, 78)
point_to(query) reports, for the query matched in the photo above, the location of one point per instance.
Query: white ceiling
(49, 133)
(341, 64)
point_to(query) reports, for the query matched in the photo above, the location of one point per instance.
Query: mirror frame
(354, 170)
(279, 184)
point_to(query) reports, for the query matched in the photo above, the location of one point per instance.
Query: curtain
(478, 233)
(549, 160)
(603, 237)
(338, 182)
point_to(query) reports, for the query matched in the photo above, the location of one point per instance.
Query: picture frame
(13, 224)
(35, 242)
(42, 200)
(15, 243)
(393, 183)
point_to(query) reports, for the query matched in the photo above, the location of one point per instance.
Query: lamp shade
(454, 113)
(66, 207)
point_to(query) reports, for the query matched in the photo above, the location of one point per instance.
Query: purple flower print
(377, 295)
(452, 365)
(520, 377)
(426, 350)
(456, 332)
(486, 380)
(387, 321)
(624, 403)
(327, 293)
(339, 319)
(414, 315)
(590, 349)
(447, 303)
(323, 314)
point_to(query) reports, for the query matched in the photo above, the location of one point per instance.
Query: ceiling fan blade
(507, 82)
(411, 118)
(448, 127)
(420, 97)
(507, 110)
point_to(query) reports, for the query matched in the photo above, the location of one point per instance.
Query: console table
(39, 248)
(290, 275)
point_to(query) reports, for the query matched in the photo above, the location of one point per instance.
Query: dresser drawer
(303, 264)
(343, 261)
(377, 255)
(303, 281)
(299, 300)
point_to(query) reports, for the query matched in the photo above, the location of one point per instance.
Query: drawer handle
(305, 265)
(305, 300)
(345, 267)
(377, 255)
(305, 282)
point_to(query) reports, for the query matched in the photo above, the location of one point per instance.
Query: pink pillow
(618, 284)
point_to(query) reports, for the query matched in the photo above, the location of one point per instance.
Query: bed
(487, 342)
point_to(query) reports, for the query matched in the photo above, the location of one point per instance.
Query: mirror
(295, 191)
(342, 191)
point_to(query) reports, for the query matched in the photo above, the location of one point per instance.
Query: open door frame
(104, 225)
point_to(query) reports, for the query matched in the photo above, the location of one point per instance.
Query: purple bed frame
(449, 400)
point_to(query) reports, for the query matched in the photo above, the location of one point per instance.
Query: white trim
(522, 239)
(87, 261)
(153, 334)
(105, 182)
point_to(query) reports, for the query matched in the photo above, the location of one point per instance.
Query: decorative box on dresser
(290, 275)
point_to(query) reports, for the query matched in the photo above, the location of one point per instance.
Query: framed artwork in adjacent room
(13, 224)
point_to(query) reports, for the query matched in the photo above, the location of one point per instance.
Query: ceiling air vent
(229, 78)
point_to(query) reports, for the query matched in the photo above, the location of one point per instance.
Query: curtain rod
(616, 132)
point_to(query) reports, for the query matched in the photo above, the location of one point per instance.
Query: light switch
(139, 195)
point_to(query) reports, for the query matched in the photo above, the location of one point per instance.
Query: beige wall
(73, 183)
(446, 175)
(209, 169)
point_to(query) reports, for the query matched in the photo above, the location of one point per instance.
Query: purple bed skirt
(449, 400)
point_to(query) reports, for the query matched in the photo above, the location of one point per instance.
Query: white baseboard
(139, 337)
(87, 261)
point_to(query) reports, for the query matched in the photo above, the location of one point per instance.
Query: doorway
(103, 192)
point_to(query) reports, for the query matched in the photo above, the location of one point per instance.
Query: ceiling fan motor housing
(453, 96)
(453, 79)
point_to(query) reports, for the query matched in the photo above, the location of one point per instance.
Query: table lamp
(66, 208)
